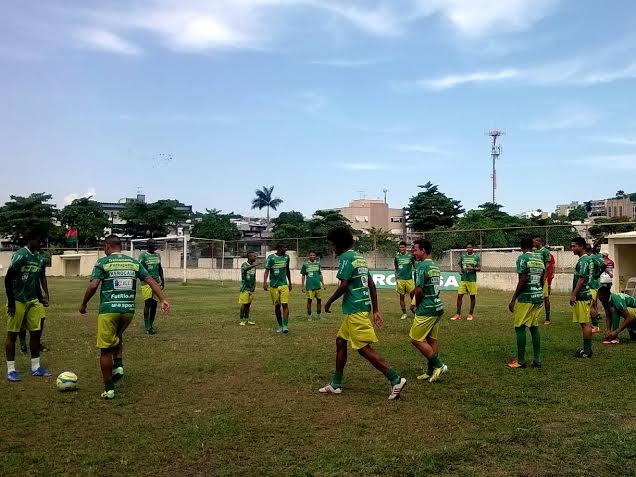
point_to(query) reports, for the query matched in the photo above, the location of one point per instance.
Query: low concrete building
(622, 249)
(365, 214)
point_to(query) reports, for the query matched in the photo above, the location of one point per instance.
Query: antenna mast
(495, 153)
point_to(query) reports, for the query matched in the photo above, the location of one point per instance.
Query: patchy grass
(207, 397)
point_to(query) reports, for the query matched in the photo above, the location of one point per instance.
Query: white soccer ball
(67, 381)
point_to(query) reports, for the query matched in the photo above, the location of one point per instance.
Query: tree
(380, 240)
(610, 225)
(578, 214)
(216, 225)
(620, 194)
(290, 225)
(588, 205)
(88, 217)
(431, 208)
(151, 220)
(264, 199)
(22, 216)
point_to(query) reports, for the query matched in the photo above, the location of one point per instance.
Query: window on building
(620, 211)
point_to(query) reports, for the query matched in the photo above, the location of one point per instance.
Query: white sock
(10, 366)
(35, 364)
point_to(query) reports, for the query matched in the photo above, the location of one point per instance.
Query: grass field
(207, 397)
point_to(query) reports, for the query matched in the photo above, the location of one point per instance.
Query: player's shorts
(357, 330)
(546, 289)
(467, 288)
(246, 297)
(317, 294)
(110, 327)
(279, 295)
(424, 327)
(581, 311)
(528, 314)
(147, 294)
(594, 293)
(405, 287)
(28, 315)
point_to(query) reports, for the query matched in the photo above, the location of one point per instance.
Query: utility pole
(495, 153)
(385, 191)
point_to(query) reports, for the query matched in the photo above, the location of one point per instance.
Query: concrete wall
(623, 252)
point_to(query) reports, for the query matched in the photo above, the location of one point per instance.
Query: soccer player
(581, 298)
(469, 265)
(597, 267)
(424, 332)
(617, 306)
(548, 262)
(151, 261)
(117, 274)
(527, 303)
(45, 301)
(277, 270)
(312, 282)
(248, 286)
(359, 297)
(404, 266)
(25, 305)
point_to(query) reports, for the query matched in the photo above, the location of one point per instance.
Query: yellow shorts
(317, 294)
(546, 289)
(146, 293)
(467, 288)
(424, 327)
(110, 327)
(528, 314)
(246, 297)
(279, 295)
(405, 287)
(594, 293)
(27, 316)
(357, 330)
(581, 311)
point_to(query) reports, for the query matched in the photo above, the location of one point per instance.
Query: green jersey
(404, 264)
(248, 277)
(622, 302)
(545, 255)
(582, 270)
(532, 265)
(118, 274)
(152, 263)
(427, 277)
(469, 260)
(597, 265)
(312, 273)
(353, 267)
(277, 266)
(27, 267)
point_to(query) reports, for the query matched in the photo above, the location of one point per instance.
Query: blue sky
(205, 101)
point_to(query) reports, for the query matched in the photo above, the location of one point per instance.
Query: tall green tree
(151, 220)
(578, 214)
(290, 225)
(432, 208)
(88, 217)
(265, 199)
(620, 194)
(384, 242)
(22, 216)
(216, 225)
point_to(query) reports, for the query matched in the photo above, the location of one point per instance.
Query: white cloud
(99, 39)
(360, 166)
(618, 140)
(76, 195)
(421, 149)
(454, 80)
(344, 63)
(566, 119)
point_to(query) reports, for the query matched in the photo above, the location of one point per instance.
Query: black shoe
(24, 349)
(151, 331)
(583, 354)
(536, 364)
(43, 348)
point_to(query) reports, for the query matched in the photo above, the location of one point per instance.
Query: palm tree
(264, 199)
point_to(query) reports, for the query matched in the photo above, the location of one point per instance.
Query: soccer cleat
(515, 364)
(404, 316)
(607, 341)
(108, 395)
(118, 373)
(396, 389)
(43, 348)
(616, 341)
(470, 318)
(329, 389)
(547, 323)
(536, 364)
(24, 349)
(456, 316)
(242, 323)
(14, 376)
(279, 329)
(424, 377)
(309, 319)
(41, 372)
(583, 354)
(251, 323)
(285, 329)
(438, 373)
